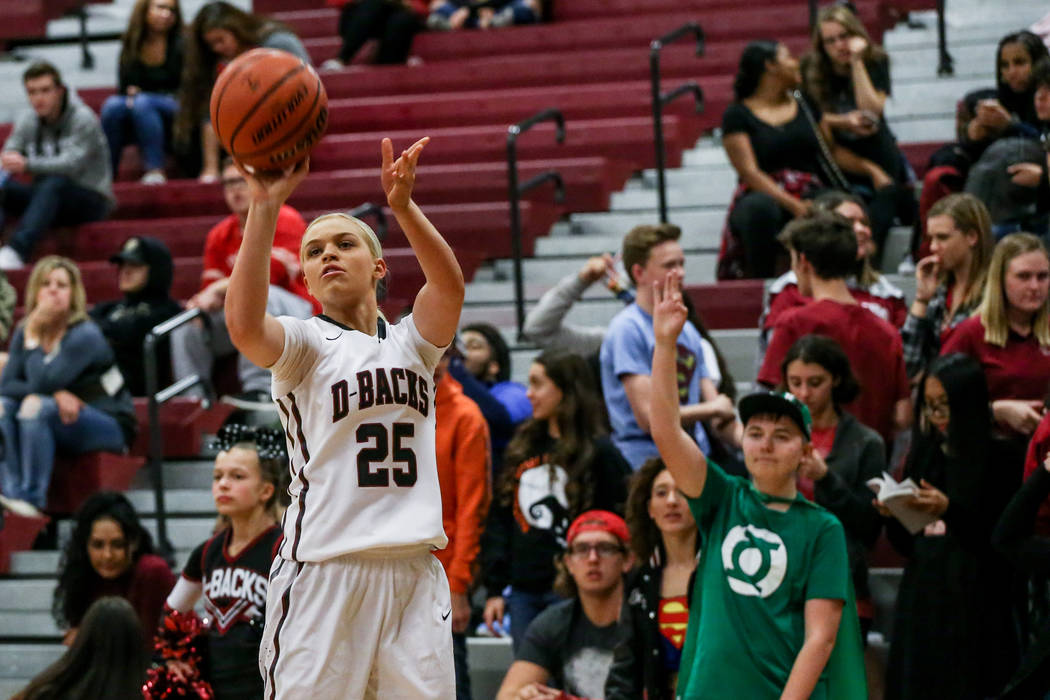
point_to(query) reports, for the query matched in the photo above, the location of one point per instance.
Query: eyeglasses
(582, 550)
(940, 408)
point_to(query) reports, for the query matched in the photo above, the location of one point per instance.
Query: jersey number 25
(383, 445)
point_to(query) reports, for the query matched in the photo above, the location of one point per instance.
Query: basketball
(269, 109)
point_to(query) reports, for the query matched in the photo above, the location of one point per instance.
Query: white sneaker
(154, 177)
(332, 64)
(20, 507)
(10, 260)
(906, 266)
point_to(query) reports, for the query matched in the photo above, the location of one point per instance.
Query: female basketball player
(357, 606)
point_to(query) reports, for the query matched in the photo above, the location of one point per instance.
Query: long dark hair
(1021, 104)
(753, 66)
(580, 420)
(135, 34)
(826, 352)
(77, 579)
(107, 658)
(199, 65)
(970, 423)
(645, 535)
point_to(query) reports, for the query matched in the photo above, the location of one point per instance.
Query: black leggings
(391, 22)
(756, 220)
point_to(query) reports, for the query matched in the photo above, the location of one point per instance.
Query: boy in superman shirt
(773, 579)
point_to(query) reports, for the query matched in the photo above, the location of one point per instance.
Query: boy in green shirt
(767, 619)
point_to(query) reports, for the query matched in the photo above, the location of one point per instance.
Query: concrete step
(24, 595)
(586, 246)
(23, 661)
(29, 624)
(691, 220)
(181, 474)
(176, 500)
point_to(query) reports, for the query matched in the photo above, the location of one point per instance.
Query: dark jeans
(756, 220)
(146, 122)
(391, 22)
(50, 200)
(523, 608)
(459, 655)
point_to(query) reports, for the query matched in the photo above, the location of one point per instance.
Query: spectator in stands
(60, 145)
(953, 633)
(1009, 336)
(110, 553)
(656, 607)
(545, 323)
(1008, 109)
(462, 447)
(773, 573)
(871, 288)
(845, 453)
(393, 22)
(250, 491)
(218, 34)
(483, 14)
(558, 465)
(848, 76)
(569, 647)
(823, 253)
(194, 348)
(1021, 535)
(649, 253)
(144, 271)
(107, 660)
(782, 156)
(948, 282)
(148, 74)
(484, 373)
(61, 390)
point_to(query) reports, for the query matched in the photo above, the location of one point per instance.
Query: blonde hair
(969, 216)
(992, 310)
(371, 239)
(43, 268)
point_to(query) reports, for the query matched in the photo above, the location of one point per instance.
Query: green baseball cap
(778, 404)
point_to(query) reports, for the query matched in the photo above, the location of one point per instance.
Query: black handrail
(945, 63)
(372, 209)
(515, 191)
(87, 60)
(812, 15)
(157, 397)
(662, 100)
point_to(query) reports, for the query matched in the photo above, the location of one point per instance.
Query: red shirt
(822, 439)
(1021, 370)
(1038, 449)
(146, 587)
(891, 309)
(224, 240)
(872, 345)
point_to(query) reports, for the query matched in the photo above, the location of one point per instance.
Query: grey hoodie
(73, 146)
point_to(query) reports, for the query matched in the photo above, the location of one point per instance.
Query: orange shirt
(462, 446)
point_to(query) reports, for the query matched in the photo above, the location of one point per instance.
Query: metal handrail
(515, 191)
(945, 63)
(156, 398)
(372, 209)
(662, 100)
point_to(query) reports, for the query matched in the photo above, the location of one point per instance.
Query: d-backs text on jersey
(380, 387)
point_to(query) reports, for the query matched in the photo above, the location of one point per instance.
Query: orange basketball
(269, 109)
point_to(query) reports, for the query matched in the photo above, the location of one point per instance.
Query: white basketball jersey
(358, 415)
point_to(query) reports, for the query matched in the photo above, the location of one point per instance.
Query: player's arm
(520, 679)
(822, 617)
(439, 302)
(639, 389)
(680, 453)
(256, 334)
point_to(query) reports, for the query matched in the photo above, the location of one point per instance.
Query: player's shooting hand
(495, 607)
(274, 186)
(399, 176)
(669, 312)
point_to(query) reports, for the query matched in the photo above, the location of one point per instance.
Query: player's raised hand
(399, 176)
(274, 186)
(669, 312)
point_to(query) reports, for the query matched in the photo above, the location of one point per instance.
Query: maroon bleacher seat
(75, 477)
(17, 535)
